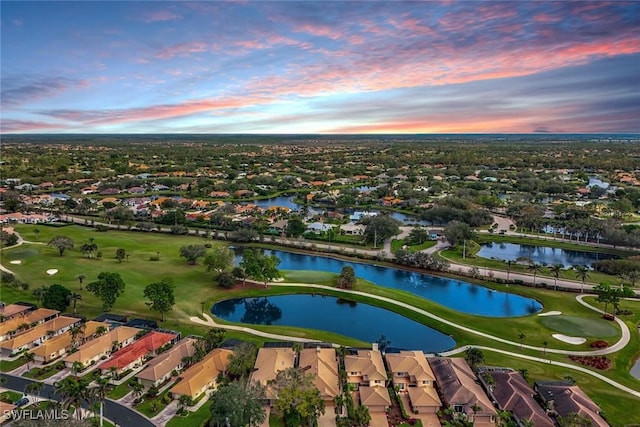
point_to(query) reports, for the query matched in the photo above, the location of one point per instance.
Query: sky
(320, 67)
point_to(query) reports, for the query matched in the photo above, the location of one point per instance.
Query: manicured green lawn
(10, 365)
(194, 419)
(42, 373)
(399, 243)
(10, 396)
(579, 326)
(152, 406)
(309, 276)
(194, 285)
(119, 391)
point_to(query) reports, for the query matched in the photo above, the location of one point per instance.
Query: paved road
(119, 414)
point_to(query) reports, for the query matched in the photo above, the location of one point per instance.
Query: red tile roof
(125, 356)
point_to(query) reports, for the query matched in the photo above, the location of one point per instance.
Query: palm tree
(582, 273)
(80, 278)
(100, 391)
(28, 358)
(535, 268)
(138, 390)
(184, 401)
(75, 333)
(556, 269)
(521, 337)
(73, 298)
(545, 344)
(77, 367)
(509, 263)
(34, 388)
(74, 392)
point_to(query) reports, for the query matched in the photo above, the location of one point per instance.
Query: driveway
(379, 419)
(329, 417)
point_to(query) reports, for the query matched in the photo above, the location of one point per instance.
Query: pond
(635, 369)
(357, 320)
(455, 294)
(540, 254)
(285, 201)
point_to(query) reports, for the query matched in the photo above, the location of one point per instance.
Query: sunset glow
(320, 67)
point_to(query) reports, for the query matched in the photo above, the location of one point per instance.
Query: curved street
(119, 414)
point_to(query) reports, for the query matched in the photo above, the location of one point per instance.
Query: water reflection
(451, 293)
(338, 315)
(540, 254)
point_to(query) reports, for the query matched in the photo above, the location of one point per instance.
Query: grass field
(579, 326)
(196, 290)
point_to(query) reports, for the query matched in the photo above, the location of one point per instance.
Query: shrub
(207, 245)
(599, 344)
(598, 362)
(154, 258)
(518, 282)
(101, 227)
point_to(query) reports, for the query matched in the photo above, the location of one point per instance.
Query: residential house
(412, 375)
(59, 346)
(136, 190)
(319, 227)
(202, 375)
(322, 363)
(563, 398)
(10, 311)
(92, 351)
(269, 362)
(38, 334)
(513, 393)
(279, 226)
(134, 354)
(21, 323)
(366, 371)
(160, 368)
(353, 229)
(460, 391)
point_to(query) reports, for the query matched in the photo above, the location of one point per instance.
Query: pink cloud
(153, 112)
(160, 16)
(8, 126)
(182, 49)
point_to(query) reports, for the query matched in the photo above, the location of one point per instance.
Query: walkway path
(210, 322)
(624, 339)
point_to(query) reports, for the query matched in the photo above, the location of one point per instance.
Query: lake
(357, 320)
(540, 254)
(454, 294)
(285, 201)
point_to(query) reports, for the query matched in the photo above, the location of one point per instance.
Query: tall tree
(121, 254)
(218, 259)
(192, 252)
(457, 232)
(474, 357)
(417, 236)
(535, 268)
(242, 360)
(108, 288)
(556, 269)
(380, 228)
(56, 297)
(295, 227)
(582, 273)
(298, 399)
(74, 392)
(161, 296)
(61, 243)
(260, 267)
(237, 404)
(347, 277)
(73, 299)
(99, 392)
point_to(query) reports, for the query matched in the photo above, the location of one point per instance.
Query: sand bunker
(52, 271)
(569, 340)
(15, 261)
(551, 313)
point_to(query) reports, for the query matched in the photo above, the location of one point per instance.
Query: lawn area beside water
(194, 286)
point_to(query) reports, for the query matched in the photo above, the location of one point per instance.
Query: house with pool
(413, 378)
(366, 371)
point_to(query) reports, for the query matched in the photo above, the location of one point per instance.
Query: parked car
(21, 402)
